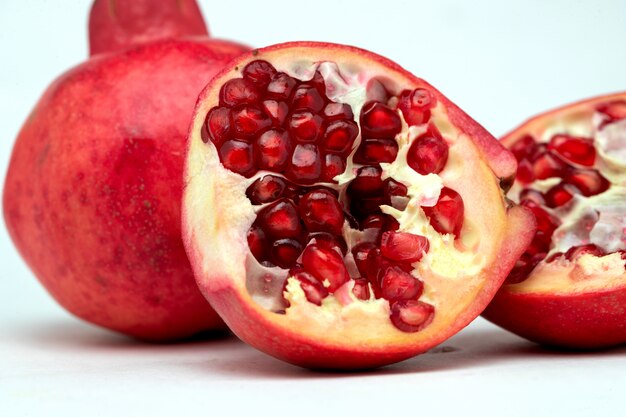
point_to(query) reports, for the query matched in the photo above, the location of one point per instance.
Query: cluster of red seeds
(567, 157)
(272, 122)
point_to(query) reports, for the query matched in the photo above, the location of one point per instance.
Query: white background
(501, 61)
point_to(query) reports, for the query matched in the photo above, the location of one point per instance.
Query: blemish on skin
(101, 281)
(153, 299)
(43, 154)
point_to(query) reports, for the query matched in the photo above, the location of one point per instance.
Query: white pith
(599, 219)
(452, 271)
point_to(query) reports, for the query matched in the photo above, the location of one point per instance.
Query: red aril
(428, 154)
(403, 247)
(569, 288)
(92, 194)
(400, 249)
(574, 149)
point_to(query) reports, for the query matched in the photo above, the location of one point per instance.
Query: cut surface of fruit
(576, 260)
(402, 227)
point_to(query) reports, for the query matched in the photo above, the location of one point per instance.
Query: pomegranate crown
(116, 25)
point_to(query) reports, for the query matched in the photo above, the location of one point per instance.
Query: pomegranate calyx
(117, 25)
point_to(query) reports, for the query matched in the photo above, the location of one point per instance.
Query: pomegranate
(569, 287)
(92, 194)
(340, 212)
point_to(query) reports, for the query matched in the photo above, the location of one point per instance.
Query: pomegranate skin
(568, 318)
(226, 287)
(92, 194)
(590, 320)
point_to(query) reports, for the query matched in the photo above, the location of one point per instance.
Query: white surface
(500, 61)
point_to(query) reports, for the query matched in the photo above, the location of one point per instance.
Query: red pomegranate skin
(589, 320)
(93, 190)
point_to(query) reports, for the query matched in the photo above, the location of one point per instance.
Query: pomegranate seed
(359, 253)
(574, 149)
(367, 182)
(281, 86)
(325, 265)
(391, 224)
(276, 110)
(313, 290)
(447, 215)
(374, 267)
(560, 194)
(411, 316)
(338, 111)
(588, 181)
(318, 82)
(294, 192)
(377, 264)
(321, 212)
(576, 251)
(257, 243)
(280, 220)
(525, 173)
(540, 243)
(305, 126)
(375, 221)
(397, 284)
(327, 240)
(362, 207)
(528, 194)
(307, 97)
(395, 189)
(238, 157)
(546, 223)
(548, 165)
(376, 150)
(428, 154)
(523, 267)
(239, 91)
(340, 136)
(415, 106)
(361, 289)
(272, 150)
(613, 111)
(285, 252)
(249, 120)
(218, 125)
(523, 147)
(333, 165)
(554, 256)
(306, 165)
(403, 247)
(379, 121)
(259, 72)
(266, 189)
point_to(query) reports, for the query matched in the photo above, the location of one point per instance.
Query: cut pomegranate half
(569, 288)
(403, 231)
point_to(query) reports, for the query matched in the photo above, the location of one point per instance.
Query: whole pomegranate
(569, 287)
(92, 194)
(340, 212)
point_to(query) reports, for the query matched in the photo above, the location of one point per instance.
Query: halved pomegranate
(569, 288)
(382, 232)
